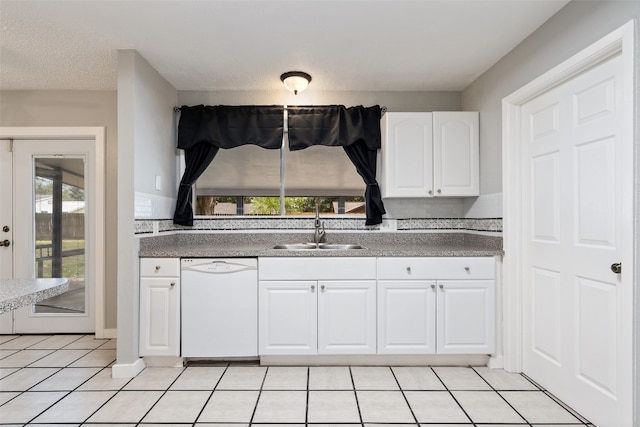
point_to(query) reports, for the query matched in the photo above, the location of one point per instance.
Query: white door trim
(98, 135)
(620, 41)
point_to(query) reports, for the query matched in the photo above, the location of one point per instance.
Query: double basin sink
(317, 246)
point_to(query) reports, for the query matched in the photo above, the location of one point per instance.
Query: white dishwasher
(219, 307)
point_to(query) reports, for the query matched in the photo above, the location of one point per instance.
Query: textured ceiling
(385, 45)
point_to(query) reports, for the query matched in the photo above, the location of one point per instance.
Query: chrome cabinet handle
(433, 286)
(5, 243)
(322, 288)
(441, 286)
(409, 270)
(616, 268)
(313, 288)
(467, 269)
(439, 191)
(157, 268)
(431, 192)
(173, 284)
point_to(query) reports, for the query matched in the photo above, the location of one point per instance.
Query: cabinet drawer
(159, 267)
(311, 268)
(436, 268)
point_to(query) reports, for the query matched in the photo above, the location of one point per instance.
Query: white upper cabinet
(456, 153)
(430, 154)
(407, 155)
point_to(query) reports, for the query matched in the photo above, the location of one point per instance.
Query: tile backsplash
(160, 226)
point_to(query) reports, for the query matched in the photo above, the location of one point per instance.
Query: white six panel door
(572, 235)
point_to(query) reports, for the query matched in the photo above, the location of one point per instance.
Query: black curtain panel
(356, 129)
(197, 159)
(364, 160)
(203, 130)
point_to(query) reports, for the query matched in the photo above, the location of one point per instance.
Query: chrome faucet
(319, 233)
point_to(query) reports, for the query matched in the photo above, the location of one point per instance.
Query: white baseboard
(127, 370)
(110, 333)
(164, 361)
(379, 360)
(496, 362)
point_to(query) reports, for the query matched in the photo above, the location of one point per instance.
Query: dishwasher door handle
(219, 267)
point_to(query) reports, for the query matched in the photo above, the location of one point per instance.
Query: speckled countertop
(15, 293)
(386, 244)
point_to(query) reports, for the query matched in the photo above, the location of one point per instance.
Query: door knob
(5, 228)
(616, 268)
(5, 243)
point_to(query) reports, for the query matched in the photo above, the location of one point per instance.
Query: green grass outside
(72, 266)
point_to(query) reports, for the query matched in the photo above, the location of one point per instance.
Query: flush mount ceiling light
(295, 81)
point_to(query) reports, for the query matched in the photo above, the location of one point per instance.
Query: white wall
(77, 108)
(145, 144)
(573, 28)
(155, 144)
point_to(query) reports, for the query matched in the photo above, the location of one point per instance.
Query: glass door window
(59, 225)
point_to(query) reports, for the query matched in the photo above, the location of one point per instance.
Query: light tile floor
(66, 380)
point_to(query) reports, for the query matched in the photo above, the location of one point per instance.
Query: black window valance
(225, 126)
(333, 125)
(202, 130)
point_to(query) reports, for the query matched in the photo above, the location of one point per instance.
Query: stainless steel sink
(319, 246)
(295, 246)
(339, 246)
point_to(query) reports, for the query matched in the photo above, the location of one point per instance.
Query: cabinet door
(406, 317)
(466, 316)
(159, 316)
(347, 317)
(456, 153)
(407, 155)
(288, 317)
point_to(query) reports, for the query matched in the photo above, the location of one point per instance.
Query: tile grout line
(355, 393)
(446, 387)
(210, 394)
(20, 368)
(66, 393)
(306, 412)
(404, 396)
(540, 390)
(59, 369)
(255, 408)
(566, 408)
(165, 391)
(109, 399)
(501, 396)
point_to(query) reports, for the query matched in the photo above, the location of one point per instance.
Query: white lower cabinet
(287, 317)
(159, 332)
(466, 316)
(333, 314)
(436, 305)
(406, 317)
(347, 317)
